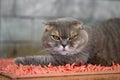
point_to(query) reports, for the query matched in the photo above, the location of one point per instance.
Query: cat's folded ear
(48, 25)
(78, 25)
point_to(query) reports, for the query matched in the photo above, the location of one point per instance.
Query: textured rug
(11, 70)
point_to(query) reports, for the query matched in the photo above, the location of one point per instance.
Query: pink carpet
(9, 69)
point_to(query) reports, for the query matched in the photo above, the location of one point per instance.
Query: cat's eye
(55, 37)
(72, 37)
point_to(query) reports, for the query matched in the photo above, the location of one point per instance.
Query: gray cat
(67, 40)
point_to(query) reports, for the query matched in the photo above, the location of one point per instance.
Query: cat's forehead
(55, 32)
(63, 27)
(65, 23)
(63, 33)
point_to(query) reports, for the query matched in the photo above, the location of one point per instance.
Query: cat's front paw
(19, 60)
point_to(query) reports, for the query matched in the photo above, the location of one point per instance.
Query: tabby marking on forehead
(55, 33)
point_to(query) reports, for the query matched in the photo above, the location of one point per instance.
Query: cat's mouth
(63, 51)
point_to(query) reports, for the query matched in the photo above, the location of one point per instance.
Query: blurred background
(21, 21)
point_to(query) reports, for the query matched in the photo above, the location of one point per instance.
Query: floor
(85, 77)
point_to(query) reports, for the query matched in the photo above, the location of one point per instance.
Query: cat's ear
(48, 26)
(78, 25)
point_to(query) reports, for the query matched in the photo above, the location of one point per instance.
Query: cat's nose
(64, 45)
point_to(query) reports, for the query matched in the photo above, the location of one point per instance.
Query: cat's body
(67, 41)
(105, 42)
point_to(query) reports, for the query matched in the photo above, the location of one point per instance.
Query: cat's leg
(36, 60)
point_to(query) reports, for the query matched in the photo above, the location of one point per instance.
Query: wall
(21, 21)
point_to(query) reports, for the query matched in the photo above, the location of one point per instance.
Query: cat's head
(64, 36)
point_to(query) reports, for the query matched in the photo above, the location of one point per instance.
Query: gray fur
(104, 45)
(101, 44)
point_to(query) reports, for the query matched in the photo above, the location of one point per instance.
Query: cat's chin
(65, 53)
(61, 52)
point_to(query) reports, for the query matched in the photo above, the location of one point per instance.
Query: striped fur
(104, 43)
